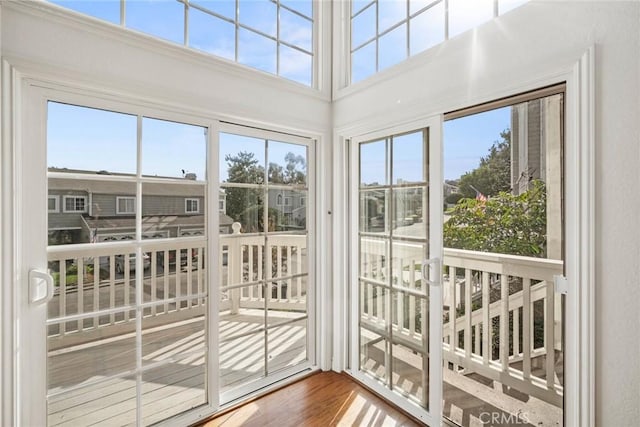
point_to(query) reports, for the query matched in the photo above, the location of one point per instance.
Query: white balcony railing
(96, 284)
(512, 298)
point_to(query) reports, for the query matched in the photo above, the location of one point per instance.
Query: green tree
(453, 198)
(505, 223)
(294, 171)
(493, 175)
(246, 205)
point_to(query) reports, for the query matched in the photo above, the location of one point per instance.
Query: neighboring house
(89, 210)
(536, 147)
(449, 189)
(292, 204)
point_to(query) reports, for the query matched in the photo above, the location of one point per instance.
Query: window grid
(75, 204)
(306, 79)
(125, 205)
(408, 20)
(191, 206)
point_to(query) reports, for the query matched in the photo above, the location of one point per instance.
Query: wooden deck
(88, 387)
(94, 384)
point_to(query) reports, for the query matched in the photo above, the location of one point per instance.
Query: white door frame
(435, 178)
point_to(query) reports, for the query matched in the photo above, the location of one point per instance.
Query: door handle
(40, 287)
(435, 263)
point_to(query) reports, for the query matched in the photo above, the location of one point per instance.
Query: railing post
(235, 267)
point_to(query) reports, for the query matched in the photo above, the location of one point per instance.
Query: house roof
(126, 188)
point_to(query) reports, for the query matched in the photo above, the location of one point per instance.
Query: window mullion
(186, 23)
(377, 36)
(278, 38)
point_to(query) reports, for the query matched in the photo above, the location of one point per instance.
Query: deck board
(176, 386)
(179, 385)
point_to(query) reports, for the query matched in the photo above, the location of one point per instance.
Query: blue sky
(231, 144)
(90, 139)
(468, 138)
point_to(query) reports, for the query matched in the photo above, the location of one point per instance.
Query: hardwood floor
(323, 399)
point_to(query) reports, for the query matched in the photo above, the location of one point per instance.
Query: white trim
(581, 244)
(431, 415)
(64, 204)
(212, 221)
(9, 240)
(126, 198)
(264, 134)
(188, 201)
(56, 198)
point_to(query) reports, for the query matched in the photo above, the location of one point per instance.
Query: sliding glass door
(265, 310)
(396, 226)
(127, 230)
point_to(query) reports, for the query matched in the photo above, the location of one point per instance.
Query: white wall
(528, 45)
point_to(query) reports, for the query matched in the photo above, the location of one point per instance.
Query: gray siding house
(90, 210)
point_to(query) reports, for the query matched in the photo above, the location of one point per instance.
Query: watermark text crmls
(498, 418)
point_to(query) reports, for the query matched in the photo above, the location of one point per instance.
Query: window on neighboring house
(53, 203)
(192, 205)
(275, 36)
(387, 32)
(221, 206)
(287, 201)
(303, 201)
(75, 204)
(125, 205)
(279, 200)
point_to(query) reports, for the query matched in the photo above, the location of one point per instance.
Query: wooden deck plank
(169, 390)
(180, 386)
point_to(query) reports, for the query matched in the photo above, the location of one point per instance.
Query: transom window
(192, 206)
(386, 32)
(126, 205)
(275, 36)
(75, 204)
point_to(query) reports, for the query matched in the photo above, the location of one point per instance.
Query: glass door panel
(393, 238)
(126, 334)
(265, 296)
(504, 210)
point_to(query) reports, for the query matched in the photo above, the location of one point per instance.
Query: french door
(396, 235)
